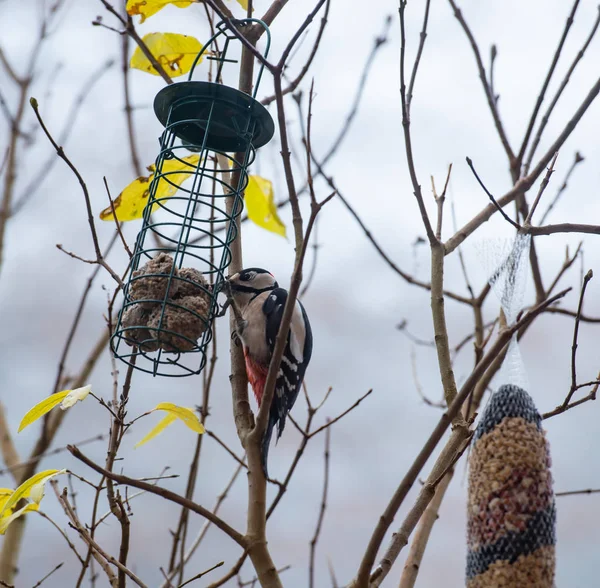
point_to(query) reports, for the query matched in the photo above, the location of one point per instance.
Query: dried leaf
(176, 53)
(130, 203)
(146, 8)
(261, 207)
(75, 396)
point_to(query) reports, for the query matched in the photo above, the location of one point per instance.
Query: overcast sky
(355, 301)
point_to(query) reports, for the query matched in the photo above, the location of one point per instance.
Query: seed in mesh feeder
(511, 534)
(189, 283)
(134, 320)
(149, 283)
(186, 307)
(181, 324)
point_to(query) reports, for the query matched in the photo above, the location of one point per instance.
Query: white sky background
(355, 301)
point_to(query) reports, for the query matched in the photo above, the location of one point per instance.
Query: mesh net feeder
(211, 135)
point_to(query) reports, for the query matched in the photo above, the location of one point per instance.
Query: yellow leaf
(146, 8)
(41, 408)
(5, 494)
(176, 53)
(130, 203)
(25, 489)
(243, 4)
(260, 205)
(160, 427)
(187, 415)
(174, 412)
(9, 518)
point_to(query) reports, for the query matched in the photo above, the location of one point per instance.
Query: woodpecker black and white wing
(296, 356)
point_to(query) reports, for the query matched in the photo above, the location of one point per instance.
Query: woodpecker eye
(247, 276)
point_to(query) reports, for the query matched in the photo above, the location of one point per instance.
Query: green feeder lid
(186, 108)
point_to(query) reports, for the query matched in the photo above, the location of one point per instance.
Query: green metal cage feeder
(181, 254)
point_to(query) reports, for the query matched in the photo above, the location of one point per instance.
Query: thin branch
(198, 576)
(323, 507)
(340, 416)
(563, 85)
(543, 186)
(578, 159)
(133, 150)
(57, 567)
(87, 538)
(60, 152)
(413, 75)
(404, 275)
(163, 492)
(64, 535)
(540, 98)
(577, 492)
(198, 540)
(97, 554)
(407, 137)
(586, 281)
(492, 103)
(563, 228)
(494, 202)
(37, 180)
(296, 82)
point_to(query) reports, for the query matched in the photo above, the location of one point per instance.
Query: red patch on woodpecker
(257, 375)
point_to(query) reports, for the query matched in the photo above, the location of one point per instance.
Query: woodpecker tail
(266, 442)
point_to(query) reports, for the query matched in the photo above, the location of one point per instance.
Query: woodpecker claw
(224, 308)
(241, 325)
(236, 335)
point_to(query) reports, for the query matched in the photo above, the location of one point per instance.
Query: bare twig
(323, 507)
(578, 492)
(60, 152)
(340, 416)
(57, 567)
(164, 493)
(198, 540)
(133, 150)
(98, 554)
(413, 75)
(494, 202)
(407, 137)
(577, 159)
(563, 85)
(543, 186)
(198, 576)
(491, 100)
(540, 98)
(296, 82)
(38, 179)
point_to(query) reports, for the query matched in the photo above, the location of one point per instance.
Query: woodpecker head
(250, 282)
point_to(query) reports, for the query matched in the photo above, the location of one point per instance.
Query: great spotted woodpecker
(261, 302)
